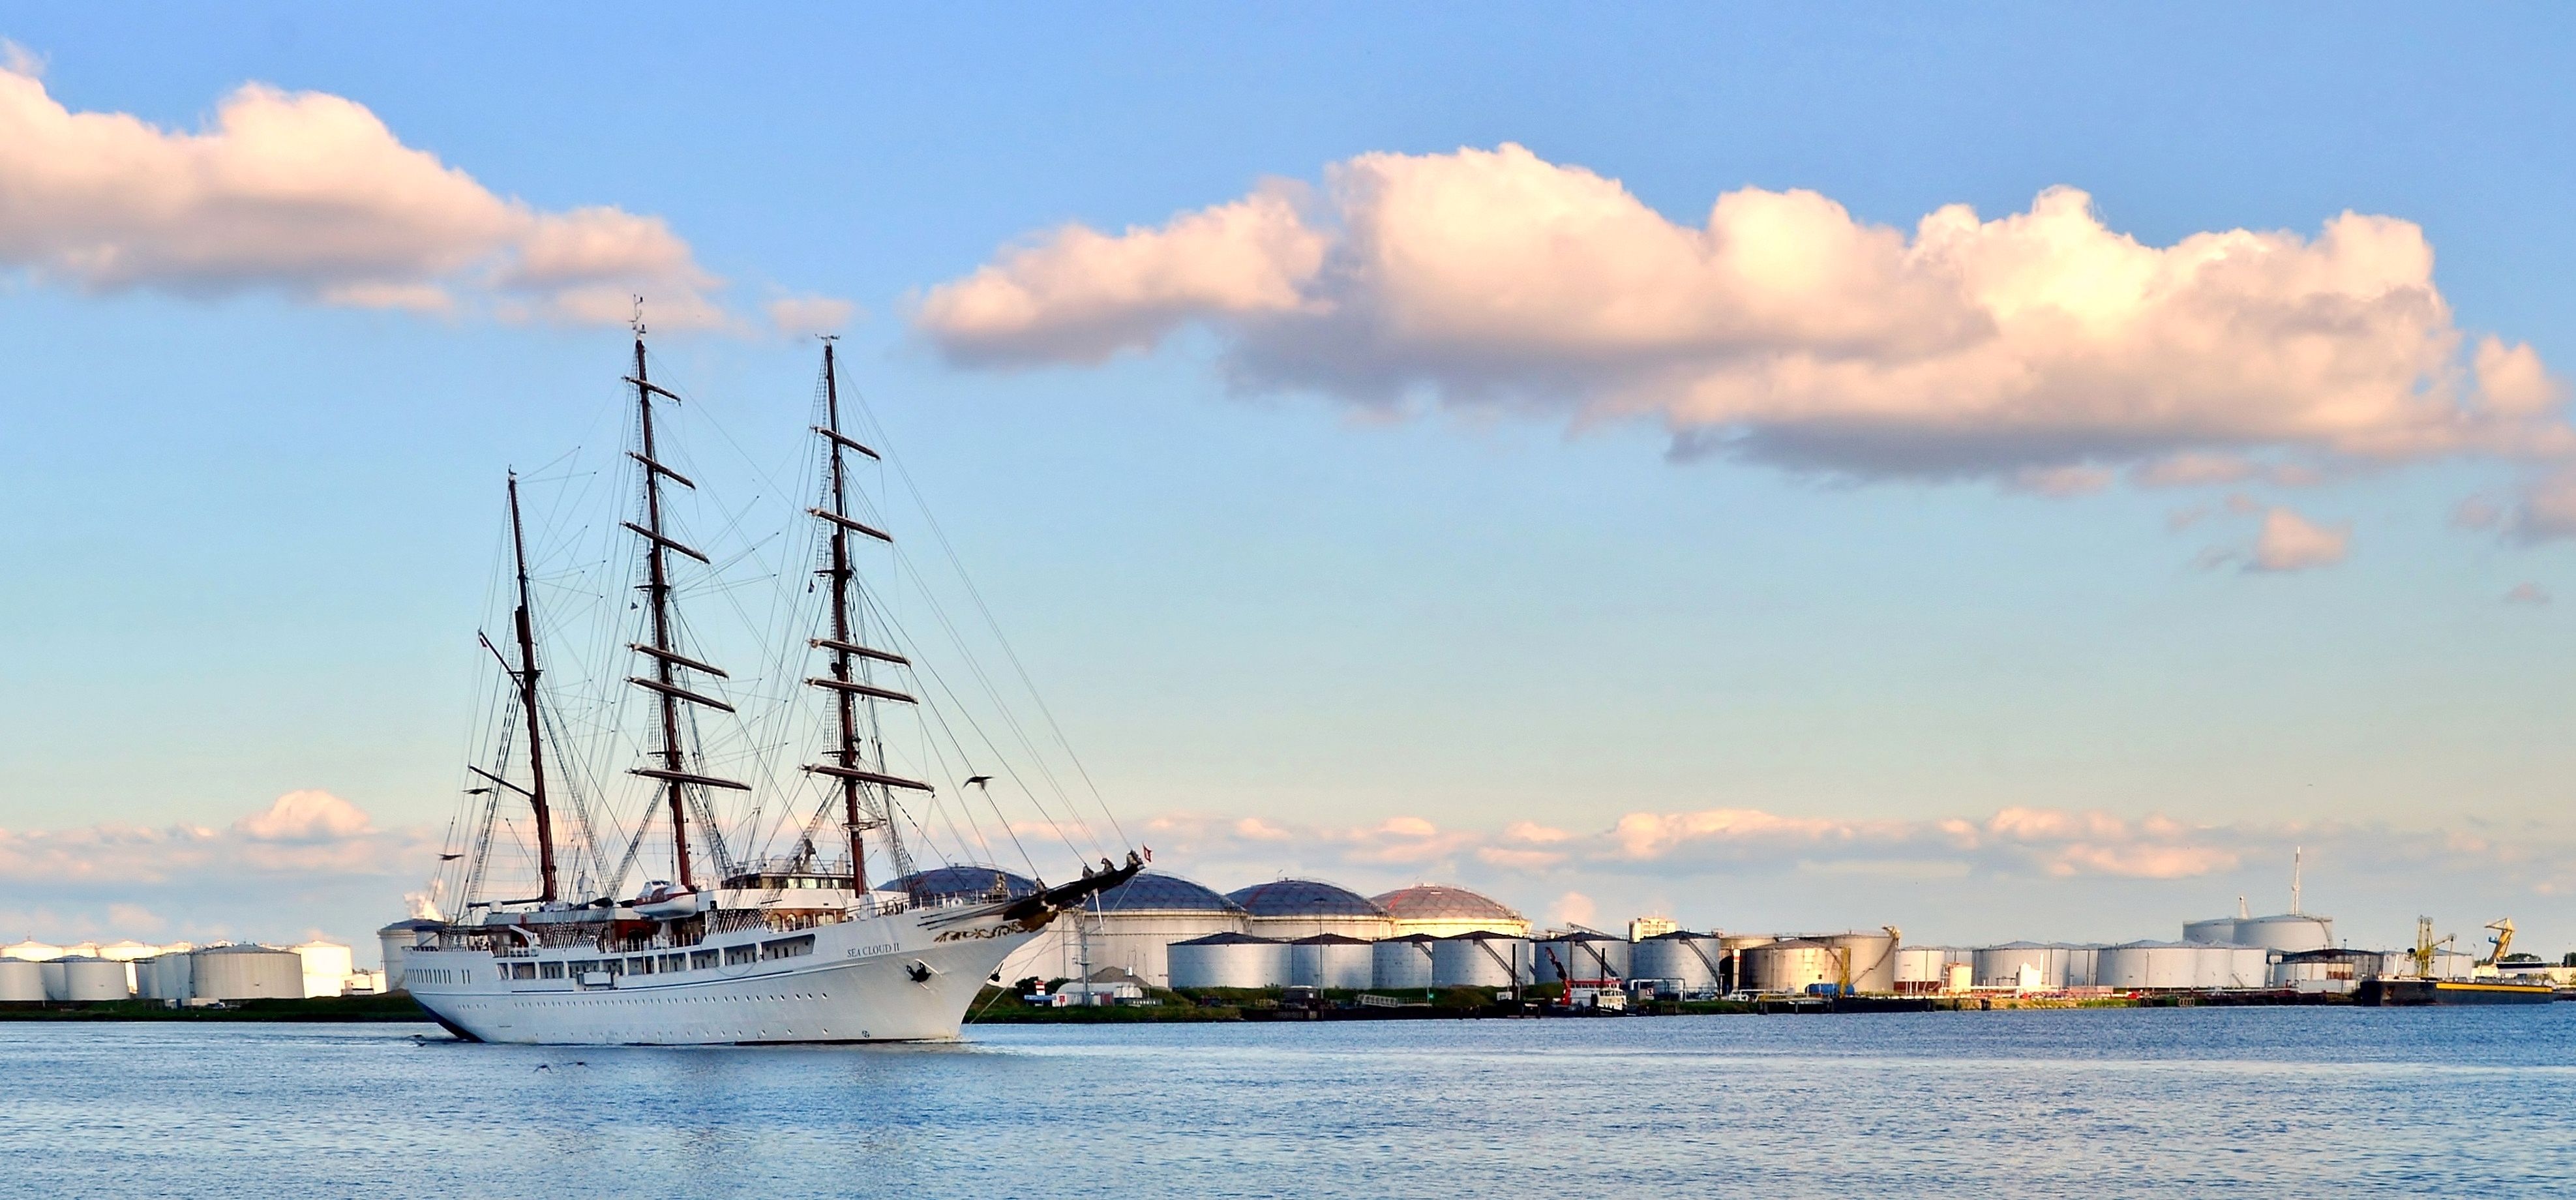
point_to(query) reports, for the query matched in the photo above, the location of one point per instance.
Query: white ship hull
(906, 976)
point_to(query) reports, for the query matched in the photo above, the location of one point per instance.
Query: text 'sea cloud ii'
(2041, 348)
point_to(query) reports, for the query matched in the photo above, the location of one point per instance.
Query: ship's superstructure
(794, 946)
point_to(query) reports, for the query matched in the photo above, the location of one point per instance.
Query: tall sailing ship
(802, 946)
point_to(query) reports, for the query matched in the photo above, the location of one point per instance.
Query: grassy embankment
(323, 1009)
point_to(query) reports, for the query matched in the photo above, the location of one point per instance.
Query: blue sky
(252, 528)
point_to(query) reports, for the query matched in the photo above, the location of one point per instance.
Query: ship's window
(700, 960)
(675, 962)
(550, 970)
(640, 966)
(522, 970)
(613, 966)
(737, 955)
(788, 947)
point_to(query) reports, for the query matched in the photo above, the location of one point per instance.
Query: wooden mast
(668, 693)
(851, 769)
(527, 674)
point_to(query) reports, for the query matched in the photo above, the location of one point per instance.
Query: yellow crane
(2503, 940)
(2425, 945)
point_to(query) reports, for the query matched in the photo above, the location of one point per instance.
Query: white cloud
(801, 316)
(2290, 542)
(2042, 347)
(311, 195)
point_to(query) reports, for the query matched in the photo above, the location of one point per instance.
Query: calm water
(2257, 1101)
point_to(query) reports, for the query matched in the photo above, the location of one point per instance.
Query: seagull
(977, 780)
(449, 857)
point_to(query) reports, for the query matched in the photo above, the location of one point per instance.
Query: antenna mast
(667, 659)
(860, 809)
(528, 704)
(2298, 863)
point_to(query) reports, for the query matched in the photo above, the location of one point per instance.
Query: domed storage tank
(1401, 962)
(1792, 966)
(22, 981)
(247, 973)
(1481, 959)
(2150, 966)
(1133, 925)
(2292, 932)
(397, 940)
(2216, 929)
(1229, 960)
(1443, 911)
(1689, 959)
(1290, 909)
(92, 980)
(32, 950)
(1329, 960)
(1590, 959)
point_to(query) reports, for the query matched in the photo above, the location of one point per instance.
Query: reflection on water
(2111, 1102)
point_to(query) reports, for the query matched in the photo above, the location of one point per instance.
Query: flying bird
(449, 857)
(978, 780)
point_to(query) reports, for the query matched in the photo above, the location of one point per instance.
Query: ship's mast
(528, 704)
(664, 683)
(849, 685)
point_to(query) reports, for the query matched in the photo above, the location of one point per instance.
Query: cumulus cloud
(2041, 347)
(311, 195)
(2290, 542)
(308, 859)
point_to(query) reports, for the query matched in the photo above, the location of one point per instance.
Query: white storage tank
(246, 973)
(2082, 965)
(2150, 966)
(91, 980)
(1444, 911)
(1923, 968)
(1401, 963)
(32, 950)
(2216, 929)
(1591, 959)
(1792, 966)
(1330, 960)
(397, 940)
(1870, 958)
(1289, 909)
(1688, 959)
(2292, 932)
(164, 977)
(1133, 925)
(1229, 960)
(1481, 959)
(1735, 944)
(327, 967)
(22, 981)
(2004, 966)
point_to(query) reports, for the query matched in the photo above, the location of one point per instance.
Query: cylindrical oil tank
(2215, 929)
(397, 939)
(1792, 966)
(2005, 966)
(2248, 967)
(31, 950)
(1229, 960)
(1401, 962)
(2083, 964)
(164, 977)
(22, 981)
(2293, 932)
(1330, 960)
(1132, 925)
(1871, 959)
(2149, 966)
(1482, 959)
(91, 980)
(327, 967)
(247, 973)
(1589, 959)
(1689, 959)
(1291, 909)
